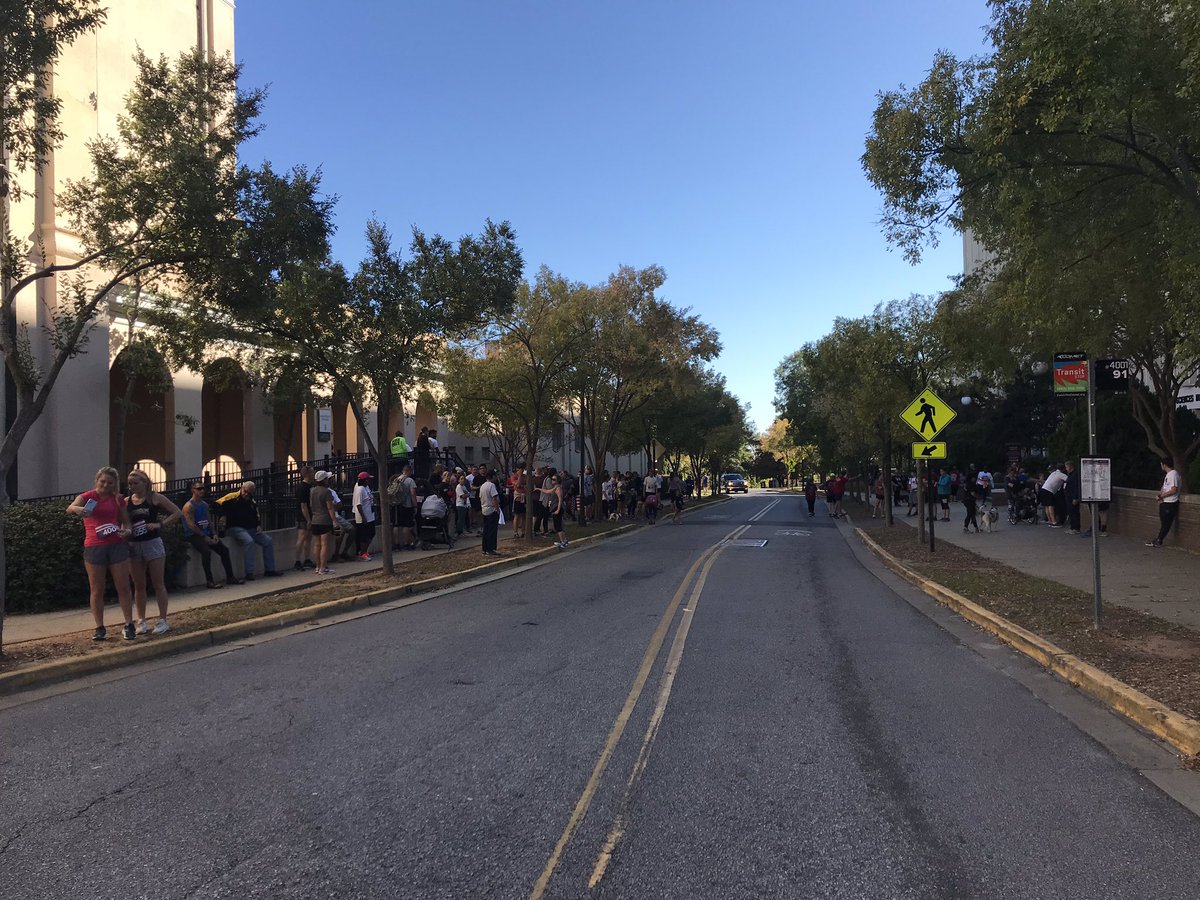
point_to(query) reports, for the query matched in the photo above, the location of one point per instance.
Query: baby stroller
(1022, 506)
(433, 523)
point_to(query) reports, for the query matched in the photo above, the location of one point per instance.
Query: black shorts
(518, 507)
(318, 530)
(558, 521)
(945, 498)
(406, 516)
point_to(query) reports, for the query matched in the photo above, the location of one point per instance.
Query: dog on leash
(988, 519)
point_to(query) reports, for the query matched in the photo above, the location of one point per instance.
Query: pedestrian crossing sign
(928, 414)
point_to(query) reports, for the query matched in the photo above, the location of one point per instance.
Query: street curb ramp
(1178, 730)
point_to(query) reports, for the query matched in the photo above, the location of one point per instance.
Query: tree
(376, 335)
(860, 377)
(518, 380)
(634, 343)
(1069, 152)
(782, 445)
(166, 208)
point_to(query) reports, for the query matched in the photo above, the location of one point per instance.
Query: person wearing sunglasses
(198, 531)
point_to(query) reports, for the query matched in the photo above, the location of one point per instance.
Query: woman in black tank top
(147, 555)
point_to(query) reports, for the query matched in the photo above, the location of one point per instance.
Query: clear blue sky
(719, 140)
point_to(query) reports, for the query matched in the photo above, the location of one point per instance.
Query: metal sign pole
(932, 494)
(1091, 408)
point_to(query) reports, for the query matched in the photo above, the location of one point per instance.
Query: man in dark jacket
(244, 526)
(1073, 491)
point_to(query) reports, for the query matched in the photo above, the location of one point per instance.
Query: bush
(43, 546)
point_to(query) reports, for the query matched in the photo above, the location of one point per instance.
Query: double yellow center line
(703, 564)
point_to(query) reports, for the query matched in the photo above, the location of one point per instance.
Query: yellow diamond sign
(928, 415)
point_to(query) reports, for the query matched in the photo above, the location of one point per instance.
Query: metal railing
(275, 485)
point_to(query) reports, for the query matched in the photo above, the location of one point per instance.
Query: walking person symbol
(927, 410)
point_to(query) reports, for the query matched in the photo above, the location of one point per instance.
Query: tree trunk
(3, 555)
(530, 493)
(887, 484)
(380, 453)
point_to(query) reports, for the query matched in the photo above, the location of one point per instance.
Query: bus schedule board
(1070, 373)
(1113, 374)
(1095, 480)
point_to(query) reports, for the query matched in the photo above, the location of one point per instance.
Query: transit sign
(928, 415)
(934, 450)
(1070, 373)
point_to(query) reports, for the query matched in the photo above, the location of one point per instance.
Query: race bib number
(140, 529)
(107, 530)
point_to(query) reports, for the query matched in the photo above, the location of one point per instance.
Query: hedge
(43, 546)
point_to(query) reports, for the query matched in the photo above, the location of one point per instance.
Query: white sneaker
(162, 627)
(142, 627)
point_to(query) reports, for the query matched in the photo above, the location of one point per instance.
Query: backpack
(393, 488)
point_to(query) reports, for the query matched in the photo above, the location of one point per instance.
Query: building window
(468, 454)
(560, 434)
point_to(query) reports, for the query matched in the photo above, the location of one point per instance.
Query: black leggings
(206, 551)
(364, 533)
(970, 519)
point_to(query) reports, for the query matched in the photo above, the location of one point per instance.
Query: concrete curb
(1178, 730)
(77, 667)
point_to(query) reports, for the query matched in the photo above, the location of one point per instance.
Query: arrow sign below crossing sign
(928, 415)
(932, 450)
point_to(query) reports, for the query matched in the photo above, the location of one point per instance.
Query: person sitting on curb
(245, 527)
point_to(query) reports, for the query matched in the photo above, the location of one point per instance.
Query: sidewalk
(33, 626)
(1163, 582)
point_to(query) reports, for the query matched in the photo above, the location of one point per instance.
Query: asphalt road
(821, 738)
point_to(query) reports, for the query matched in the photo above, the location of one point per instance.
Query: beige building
(202, 423)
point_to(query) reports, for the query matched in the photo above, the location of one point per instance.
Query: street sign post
(927, 415)
(929, 450)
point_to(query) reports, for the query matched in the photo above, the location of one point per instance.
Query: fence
(275, 485)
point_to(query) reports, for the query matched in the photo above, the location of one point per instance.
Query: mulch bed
(1157, 657)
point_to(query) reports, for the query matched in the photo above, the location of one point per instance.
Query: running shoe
(365, 557)
(142, 627)
(130, 632)
(101, 634)
(162, 627)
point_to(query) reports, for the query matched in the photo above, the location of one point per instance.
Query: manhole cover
(745, 543)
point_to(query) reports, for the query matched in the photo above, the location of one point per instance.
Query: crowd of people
(429, 501)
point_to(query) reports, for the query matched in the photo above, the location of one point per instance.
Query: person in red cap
(364, 516)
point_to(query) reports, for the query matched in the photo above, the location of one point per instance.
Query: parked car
(733, 483)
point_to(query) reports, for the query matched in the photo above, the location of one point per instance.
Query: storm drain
(745, 543)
